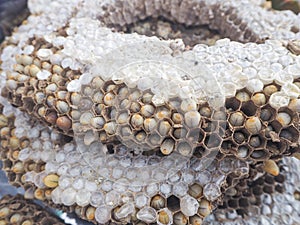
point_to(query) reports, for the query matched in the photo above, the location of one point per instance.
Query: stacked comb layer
(17, 210)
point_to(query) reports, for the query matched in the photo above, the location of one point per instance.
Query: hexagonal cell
(147, 97)
(158, 202)
(259, 155)
(116, 212)
(173, 203)
(98, 97)
(232, 104)
(180, 219)
(85, 104)
(243, 151)
(219, 115)
(195, 136)
(110, 128)
(268, 189)
(294, 104)
(174, 178)
(267, 113)
(17, 99)
(205, 208)
(140, 136)
(270, 89)
(62, 107)
(11, 176)
(195, 220)
(136, 121)
(154, 140)
(7, 164)
(184, 148)
(290, 133)
(39, 97)
(135, 107)
(240, 136)
(259, 99)
(256, 141)
(28, 104)
(243, 202)
(164, 217)
(279, 188)
(297, 195)
(125, 132)
(167, 146)
(98, 108)
(122, 116)
(124, 104)
(195, 190)
(29, 165)
(51, 117)
(164, 127)
(284, 118)
(150, 124)
(192, 119)
(135, 94)
(87, 90)
(249, 108)
(288, 111)
(213, 141)
(236, 119)
(162, 112)
(147, 110)
(269, 179)
(177, 119)
(205, 111)
(39, 110)
(280, 178)
(257, 190)
(110, 149)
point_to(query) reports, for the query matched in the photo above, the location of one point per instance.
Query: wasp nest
(257, 121)
(17, 210)
(125, 128)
